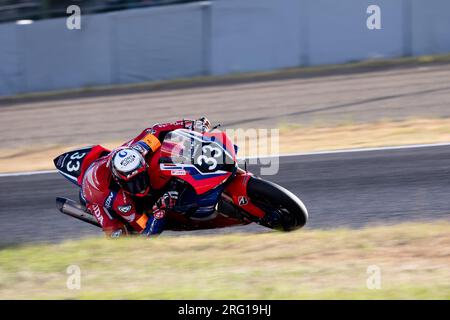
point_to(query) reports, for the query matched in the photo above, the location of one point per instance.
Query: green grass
(414, 260)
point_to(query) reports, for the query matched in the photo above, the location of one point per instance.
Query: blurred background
(44, 9)
(312, 69)
(163, 39)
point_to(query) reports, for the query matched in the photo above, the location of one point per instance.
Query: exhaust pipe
(74, 209)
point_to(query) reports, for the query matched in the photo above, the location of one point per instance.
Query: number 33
(209, 160)
(76, 166)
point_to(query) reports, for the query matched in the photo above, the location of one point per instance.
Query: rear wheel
(284, 210)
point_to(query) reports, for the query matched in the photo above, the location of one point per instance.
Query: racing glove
(155, 223)
(201, 125)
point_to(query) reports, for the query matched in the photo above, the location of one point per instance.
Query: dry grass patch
(293, 138)
(382, 133)
(414, 260)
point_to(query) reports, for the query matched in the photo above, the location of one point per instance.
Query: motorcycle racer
(116, 187)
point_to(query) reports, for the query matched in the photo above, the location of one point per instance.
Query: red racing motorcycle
(207, 164)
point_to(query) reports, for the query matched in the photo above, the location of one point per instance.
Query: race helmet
(130, 171)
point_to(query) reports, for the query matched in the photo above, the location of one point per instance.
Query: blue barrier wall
(9, 64)
(53, 57)
(213, 38)
(430, 27)
(254, 35)
(158, 43)
(337, 31)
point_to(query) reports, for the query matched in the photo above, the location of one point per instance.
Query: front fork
(236, 193)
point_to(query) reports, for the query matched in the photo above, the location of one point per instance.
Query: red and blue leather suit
(112, 206)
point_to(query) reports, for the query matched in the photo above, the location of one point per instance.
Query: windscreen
(207, 153)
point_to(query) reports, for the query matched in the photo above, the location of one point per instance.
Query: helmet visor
(138, 184)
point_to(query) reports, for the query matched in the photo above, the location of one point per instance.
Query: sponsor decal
(123, 154)
(179, 172)
(159, 125)
(109, 200)
(242, 200)
(61, 160)
(124, 209)
(98, 214)
(125, 162)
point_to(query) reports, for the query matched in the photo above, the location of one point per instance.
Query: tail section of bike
(73, 164)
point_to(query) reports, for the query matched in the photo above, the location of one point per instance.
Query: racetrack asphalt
(360, 97)
(343, 189)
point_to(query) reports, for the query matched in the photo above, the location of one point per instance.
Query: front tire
(284, 210)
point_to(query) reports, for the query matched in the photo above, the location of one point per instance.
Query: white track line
(26, 173)
(412, 146)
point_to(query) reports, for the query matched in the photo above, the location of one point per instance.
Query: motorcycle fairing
(237, 191)
(201, 182)
(204, 161)
(73, 164)
(199, 206)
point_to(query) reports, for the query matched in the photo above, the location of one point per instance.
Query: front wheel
(284, 210)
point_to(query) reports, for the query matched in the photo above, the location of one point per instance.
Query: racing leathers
(117, 210)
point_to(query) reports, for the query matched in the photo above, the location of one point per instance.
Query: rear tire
(284, 210)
